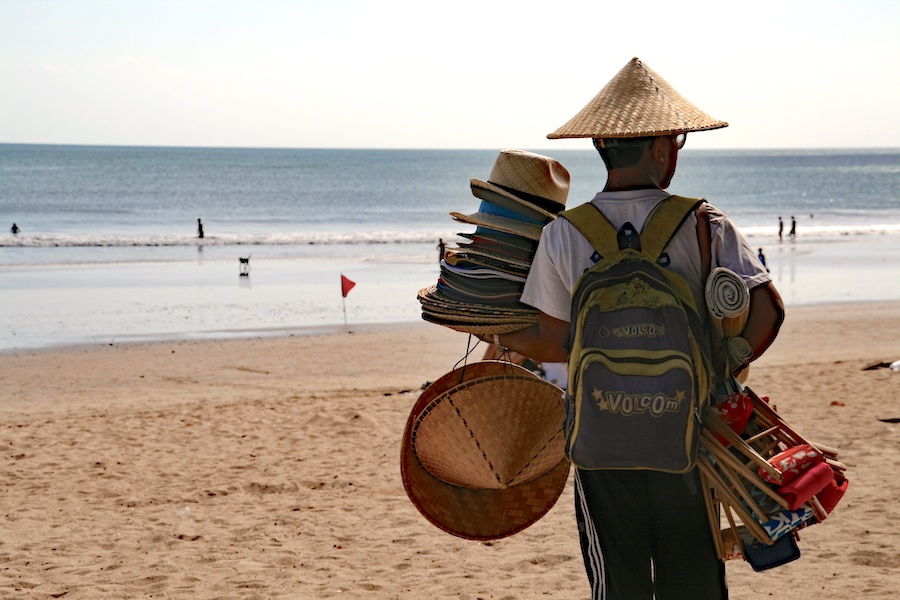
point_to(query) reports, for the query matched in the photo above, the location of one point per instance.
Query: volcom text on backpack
(639, 367)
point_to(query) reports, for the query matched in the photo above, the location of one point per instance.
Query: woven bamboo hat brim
(537, 182)
(637, 102)
(469, 317)
(477, 328)
(483, 314)
(432, 297)
(482, 454)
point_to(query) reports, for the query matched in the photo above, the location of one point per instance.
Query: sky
(485, 74)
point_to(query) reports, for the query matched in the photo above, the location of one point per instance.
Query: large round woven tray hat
(538, 183)
(637, 102)
(482, 455)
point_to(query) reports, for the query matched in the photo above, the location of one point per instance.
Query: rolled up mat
(739, 352)
(728, 300)
(806, 485)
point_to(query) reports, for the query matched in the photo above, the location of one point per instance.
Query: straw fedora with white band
(482, 455)
(538, 183)
(637, 102)
(526, 190)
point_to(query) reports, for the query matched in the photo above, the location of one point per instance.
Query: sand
(269, 469)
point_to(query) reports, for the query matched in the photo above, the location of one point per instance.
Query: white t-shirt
(563, 254)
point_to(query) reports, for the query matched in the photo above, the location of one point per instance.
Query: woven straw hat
(468, 326)
(637, 102)
(482, 455)
(501, 224)
(475, 249)
(469, 317)
(538, 182)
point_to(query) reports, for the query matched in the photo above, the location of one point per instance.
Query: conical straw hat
(637, 102)
(483, 451)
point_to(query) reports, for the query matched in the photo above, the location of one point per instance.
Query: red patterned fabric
(792, 462)
(736, 411)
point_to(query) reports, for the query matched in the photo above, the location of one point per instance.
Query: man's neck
(629, 188)
(621, 180)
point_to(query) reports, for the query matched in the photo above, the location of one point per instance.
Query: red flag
(346, 286)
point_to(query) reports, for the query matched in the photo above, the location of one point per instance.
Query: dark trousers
(646, 535)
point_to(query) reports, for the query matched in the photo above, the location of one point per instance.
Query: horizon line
(428, 149)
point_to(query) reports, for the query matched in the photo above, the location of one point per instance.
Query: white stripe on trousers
(593, 552)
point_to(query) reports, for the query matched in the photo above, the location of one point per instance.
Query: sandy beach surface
(268, 468)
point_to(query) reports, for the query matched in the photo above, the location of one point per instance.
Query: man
(644, 534)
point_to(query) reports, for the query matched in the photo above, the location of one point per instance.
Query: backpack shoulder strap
(593, 225)
(704, 238)
(665, 220)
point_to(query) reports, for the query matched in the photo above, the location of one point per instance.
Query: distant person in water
(780, 228)
(762, 259)
(199, 229)
(14, 229)
(440, 248)
(793, 226)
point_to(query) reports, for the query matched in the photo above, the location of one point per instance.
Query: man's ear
(658, 149)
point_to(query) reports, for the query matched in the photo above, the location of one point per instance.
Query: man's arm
(764, 320)
(547, 340)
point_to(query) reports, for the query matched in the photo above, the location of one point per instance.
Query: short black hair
(622, 152)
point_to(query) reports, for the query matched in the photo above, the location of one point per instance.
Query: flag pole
(346, 286)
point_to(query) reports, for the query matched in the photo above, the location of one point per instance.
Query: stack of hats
(481, 280)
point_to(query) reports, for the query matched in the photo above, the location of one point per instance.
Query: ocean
(107, 249)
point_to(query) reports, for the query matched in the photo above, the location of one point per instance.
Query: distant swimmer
(780, 228)
(441, 245)
(199, 229)
(14, 229)
(793, 226)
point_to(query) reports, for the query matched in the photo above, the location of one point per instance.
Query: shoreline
(212, 337)
(275, 333)
(206, 299)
